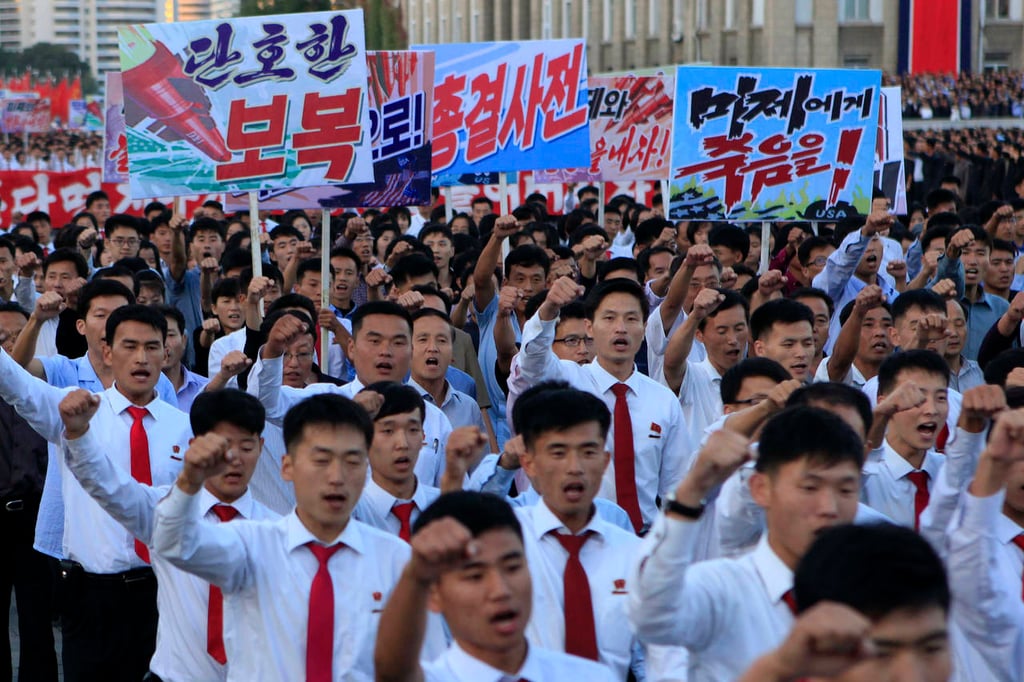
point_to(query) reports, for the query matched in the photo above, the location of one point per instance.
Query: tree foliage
(384, 26)
(47, 59)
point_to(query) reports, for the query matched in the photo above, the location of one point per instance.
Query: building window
(854, 10)
(997, 9)
(996, 61)
(756, 13)
(630, 27)
(474, 21)
(856, 61)
(567, 19)
(654, 18)
(606, 21)
(546, 31)
(730, 13)
(804, 12)
(428, 22)
(703, 12)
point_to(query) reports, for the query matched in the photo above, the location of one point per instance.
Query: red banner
(62, 195)
(935, 36)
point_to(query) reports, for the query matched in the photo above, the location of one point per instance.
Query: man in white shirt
(469, 563)
(64, 272)
(306, 589)
(899, 484)
(380, 349)
(191, 629)
(719, 321)
(649, 439)
(728, 612)
(865, 340)
(850, 630)
(109, 620)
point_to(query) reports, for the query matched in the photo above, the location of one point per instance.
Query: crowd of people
(960, 97)
(58, 150)
(516, 447)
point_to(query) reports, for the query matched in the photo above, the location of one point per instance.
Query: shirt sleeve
(214, 552)
(130, 503)
(740, 520)
(265, 384)
(488, 477)
(841, 264)
(991, 613)
(537, 361)
(677, 451)
(33, 399)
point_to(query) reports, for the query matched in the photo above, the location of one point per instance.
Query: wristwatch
(671, 505)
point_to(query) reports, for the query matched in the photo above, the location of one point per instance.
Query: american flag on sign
(396, 190)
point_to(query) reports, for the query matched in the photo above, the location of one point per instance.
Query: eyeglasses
(301, 357)
(121, 241)
(820, 260)
(754, 400)
(574, 341)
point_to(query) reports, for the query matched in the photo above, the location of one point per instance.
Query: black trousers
(108, 624)
(30, 575)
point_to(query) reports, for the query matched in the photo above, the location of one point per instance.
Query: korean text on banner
(509, 106)
(890, 174)
(246, 104)
(753, 144)
(400, 94)
(25, 115)
(115, 139)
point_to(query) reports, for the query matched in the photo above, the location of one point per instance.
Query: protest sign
(246, 104)
(86, 114)
(753, 144)
(509, 106)
(400, 97)
(115, 139)
(890, 175)
(23, 114)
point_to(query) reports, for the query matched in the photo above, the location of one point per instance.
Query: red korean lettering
(564, 73)
(728, 156)
(849, 143)
(330, 132)
(253, 129)
(483, 120)
(806, 161)
(620, 153)
(521, 117)
(448, 120)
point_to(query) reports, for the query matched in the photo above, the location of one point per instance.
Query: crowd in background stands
(993, 94)
(58, 150)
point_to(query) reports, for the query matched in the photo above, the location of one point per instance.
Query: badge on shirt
(655, 431)
(377, 596)
(620, 586)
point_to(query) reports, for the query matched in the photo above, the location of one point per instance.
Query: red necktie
(921, 496)
(139, 443)
(320, 626)
(580, 635)
(1019, 541)
(215, 613)
(625, 472)
(403, 511)
(790, 600)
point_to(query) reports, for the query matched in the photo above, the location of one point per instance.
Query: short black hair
(803, 252)
(284, 231)
(435, 229)
(731, 237)
(935, 232)
(67, 255)
(619, 263)
(294, 301)
(431, 290)
(327, 409)
(207, 225)
(1003, 245)
(12, 307)
(378, 308)
(121, 220)
(235, 258)
(940, 196)
(999, 367)
(732, 380)
(617, 285)
(226, 406)
(778, 311)
(643, 259)
(226, 287)
(913, 359)
(134, 312)
(548, 406)
(925, 299)
(412, 265)
(807, 432)
(847, 310)
(345, 252)
(814, 292)
(730, 300)
(94, 197)
(433, 312)
(478, 512)
(173, 313)
(398, 399)
(527, 256)
(834, 393)
(98, 288)
(874, 569)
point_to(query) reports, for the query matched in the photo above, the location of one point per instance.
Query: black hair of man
(433, 312)
(730, 300)
(835, 394)
(170, 313)
(99, 288)
(67, 256)
(134, 312)
(731, 237)
(154, 206)
(378, 308)
(875, 569)
(935, 232)
(227, 406)
(282, 231)
(294, 301)
(643, 259)
(398, 399)
(235, 258)
(803, 252)
(923, 360)
(412, 266)
(150, 279)
(847, 310)
(923, 299)
(811, 433)
(616, 265)
(617, 285)
(270, 271)
(482, 200)
(732, 380)
(94, 197)
(814, 292)
(325, 409)
(558, 409)
(12, 307)
(649, 230)
(308, 265)
(1003, 246)
(778, 311)
(938, 197)
(435, 229)
(121, 220)
(479, 513)
(998, 368)
(430, 290)
(527, 256)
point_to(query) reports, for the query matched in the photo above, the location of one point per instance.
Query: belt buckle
(15, 505)
(135, 577)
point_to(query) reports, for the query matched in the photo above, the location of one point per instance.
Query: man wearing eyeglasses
(123, 236)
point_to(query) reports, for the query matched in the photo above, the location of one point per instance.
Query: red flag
(61, 99)
(76, 88)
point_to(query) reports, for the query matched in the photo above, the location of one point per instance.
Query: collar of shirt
(297, 535)
(120, 403)
(900, 467)
(466, 668)
(967, 365)
(449, 393)
(356, 385)
(383, 501)
(716, 378)
(244, 504)
(1007, 529)
(86, 372)
(605, 380)
(191, 379)
(776, 576)
(545, 521)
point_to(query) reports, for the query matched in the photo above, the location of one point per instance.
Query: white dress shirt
(657, 338)
(374, 506)
(266, 483)
(46, 342)
(661, 443)
(266, 572)
(221, 347)
(700, 396)
(91, 536)
(265, 384)
(853, 377)
(182, 599)
(985, 579)
(461, 409)
(727, 612)
(541, 665)
(606, 557)
(886, 488)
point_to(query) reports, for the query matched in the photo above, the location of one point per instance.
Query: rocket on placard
(153, 80)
